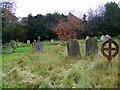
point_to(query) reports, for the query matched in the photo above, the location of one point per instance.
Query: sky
(77, 7)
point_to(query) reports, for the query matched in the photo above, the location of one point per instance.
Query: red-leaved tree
(69, 28)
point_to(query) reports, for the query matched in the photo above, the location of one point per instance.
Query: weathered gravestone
(17, 41)
(91, 46)
(34, 42)
(13, 44)
(38, 45)
(1, 48)
(106, 37)
(86, 37)
(73, 48)
(28, 41)
(102, 38)
(51, 40)
(9, 49)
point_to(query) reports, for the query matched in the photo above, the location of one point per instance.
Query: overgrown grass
(53, 68)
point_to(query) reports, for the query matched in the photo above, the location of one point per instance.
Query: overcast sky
(77, 7)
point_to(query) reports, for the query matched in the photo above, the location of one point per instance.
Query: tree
(104, 20)
(112, 19)
(14, 31)
(8, 5)
(95, 21)
(41, 25)
(69, 27)
(8, 17)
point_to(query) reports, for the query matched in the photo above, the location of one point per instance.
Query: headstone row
(11, 46)
(73, 47)
(91, 47)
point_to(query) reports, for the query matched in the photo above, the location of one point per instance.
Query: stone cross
(38, 45)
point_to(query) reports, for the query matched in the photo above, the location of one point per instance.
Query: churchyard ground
(52, 68)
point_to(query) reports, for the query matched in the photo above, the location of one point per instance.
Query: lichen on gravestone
(73, 48)
(91, 46)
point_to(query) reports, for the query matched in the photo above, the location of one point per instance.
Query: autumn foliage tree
(69, 28)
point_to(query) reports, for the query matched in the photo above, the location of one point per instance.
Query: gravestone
(73, 48)
(91, 46)
(106, 37)
(87, 38)
(13, 44)
(1, 48)
(17, 41)
(96, 37)
(51, 40)
(38, 45)
(34, 42)
(28, 41)
(102, 38)
(9, 49)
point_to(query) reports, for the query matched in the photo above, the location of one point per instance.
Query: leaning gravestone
(1, 48)
(13, 44)
(73, 48)
(9, 50)
(91, 46)
(28, 41)
(38, 45)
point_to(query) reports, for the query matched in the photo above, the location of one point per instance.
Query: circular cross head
(109, 56)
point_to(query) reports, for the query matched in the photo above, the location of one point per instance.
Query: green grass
(15, 54)
(53, 68)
